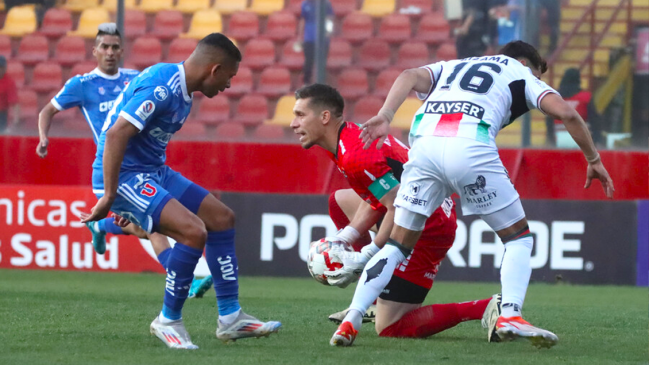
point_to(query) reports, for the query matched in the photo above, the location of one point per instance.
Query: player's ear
(325, 116)
(214, 69)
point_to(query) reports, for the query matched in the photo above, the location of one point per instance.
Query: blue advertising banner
(642, 278)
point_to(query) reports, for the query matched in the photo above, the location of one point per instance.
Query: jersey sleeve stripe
(131, 119)
(538, 100)
(434, 82)
(56, 104)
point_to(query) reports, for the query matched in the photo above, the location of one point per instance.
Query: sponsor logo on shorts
(477, 194)
(478, 187)
(145, 110)
(161, 93)
(414, 201)
(452, 107)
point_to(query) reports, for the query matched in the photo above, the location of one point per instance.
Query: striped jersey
(157, 103)
(476, 97)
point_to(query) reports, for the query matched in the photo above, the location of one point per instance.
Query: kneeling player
(374, 176)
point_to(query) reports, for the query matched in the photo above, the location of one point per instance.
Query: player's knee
(379, 326)
(224, 220)
(196, 234)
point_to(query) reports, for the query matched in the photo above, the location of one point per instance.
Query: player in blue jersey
(94, 94)
(130, 178)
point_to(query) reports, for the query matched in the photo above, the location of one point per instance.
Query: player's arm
(554, 105)
(44, 124)
(71, 95)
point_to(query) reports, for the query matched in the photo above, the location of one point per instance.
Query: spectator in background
(307, 34)
(8, 97)
(553, 18)
(470, 34)
(508, 22)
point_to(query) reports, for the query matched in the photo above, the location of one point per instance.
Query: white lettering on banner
(112, 246)
(56, 216)
(63, 251)
(560, 245)
(75, 207)
(77, 261)
(305, 228)
(61, 213)
(9, 210)
(30, 212)
(459, 244)
(21, 208)
(307, 223)
(541, 243)
(477, 247)
(25, 253)
(46, 257)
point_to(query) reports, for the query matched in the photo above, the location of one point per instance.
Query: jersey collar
(116, 76)
(183, 83)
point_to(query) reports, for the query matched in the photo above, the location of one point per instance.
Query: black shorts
(402, 291)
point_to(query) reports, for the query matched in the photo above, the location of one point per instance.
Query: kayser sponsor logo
(451, 107)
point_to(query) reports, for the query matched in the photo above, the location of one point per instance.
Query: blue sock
(180, 272)
(222, 261)
(163, 257)
(108, 225)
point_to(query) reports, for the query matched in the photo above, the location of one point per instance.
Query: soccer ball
(318, 261)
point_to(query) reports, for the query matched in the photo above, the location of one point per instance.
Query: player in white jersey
(454, 151)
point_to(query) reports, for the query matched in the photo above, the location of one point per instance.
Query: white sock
(229, 318)
(515, 273)
(165, 320)
(96, 226)
(376, 275)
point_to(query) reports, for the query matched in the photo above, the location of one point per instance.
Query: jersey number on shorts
(148, 190)
(474, 80)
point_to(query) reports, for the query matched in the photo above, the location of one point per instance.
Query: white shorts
(440, 166)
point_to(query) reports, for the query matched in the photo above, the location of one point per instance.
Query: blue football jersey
(157, 103)
(94, 93)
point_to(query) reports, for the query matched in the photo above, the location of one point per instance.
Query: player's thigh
(179, 223)
(388, 312)
(507, 222)
(348, 201)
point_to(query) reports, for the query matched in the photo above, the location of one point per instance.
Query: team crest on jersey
(101, 90)
(161, 93)
(145, 110)
(414, 189)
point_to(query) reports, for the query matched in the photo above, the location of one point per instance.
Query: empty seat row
(262, 7)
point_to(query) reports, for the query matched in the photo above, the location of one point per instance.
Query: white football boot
(369, 316)
(490, 317)
(512, 328)
(173, 334)
(245, 326)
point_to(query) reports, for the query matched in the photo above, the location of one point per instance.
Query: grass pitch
(93, 318)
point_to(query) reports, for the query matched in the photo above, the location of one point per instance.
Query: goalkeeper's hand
(353, 265)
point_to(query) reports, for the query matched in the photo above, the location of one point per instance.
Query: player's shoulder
(87, 77)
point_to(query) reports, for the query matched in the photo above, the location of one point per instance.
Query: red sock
(341, 221)
(431, 319)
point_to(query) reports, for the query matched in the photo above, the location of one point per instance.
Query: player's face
(220, 78)
(307, 123)
(108, 52)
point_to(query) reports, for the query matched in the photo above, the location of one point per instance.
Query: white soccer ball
(318, 261)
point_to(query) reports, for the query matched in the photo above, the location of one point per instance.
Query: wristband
(349, 234)
(594, 159)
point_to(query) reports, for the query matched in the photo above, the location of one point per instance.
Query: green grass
(93, 318)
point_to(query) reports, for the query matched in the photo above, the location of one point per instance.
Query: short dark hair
(520, 49)
(218, 40)
(323, 96)
(108, 29)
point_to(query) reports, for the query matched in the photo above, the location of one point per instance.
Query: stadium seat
(47, 77)
(180, 49)
(281, 26)
(446, 52)
(283, 111)
(154, 6)
(192, 129)
(80, 5)
(243, 26)
(167, 24)
(357, 27)
(413, 54)
(89, 21)
(374, 55)
(203, 23)
(134, 23)
(33, 49)
(146, 51)
(343, 7)
(16, 71)
(28, 101)
(259, 53)
(266, 7)
(403, 117)
(340, 54)
(433, 29)
(291, 58)
(395, 28)
(274, 82)
(230, 130)
(353, 83)
(416, 8)
(252, 109)
(241, 84)
(378, 8)
(111, 5)
(227, 7)
(70, 50)
(190, 6)
(268, 132)
(366, 107)
(214, 111)
(20, 20)
(294, 6)
(5, 46)
(56, 23)
(384, 81)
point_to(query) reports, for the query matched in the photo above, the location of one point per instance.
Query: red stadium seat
(230, 130)
(180, 49)
(146, 51)
(384, 81)
(259, 53)
(291, 58)
(343, 7)
(167, 24)
(395, 28)
(83, 68)
(340, 54)
(241, 84)
(33, 49)
(5, 46)
(353, 83)
(281, 26)
(294, 6)
(134, 23)
(413, 54)
(214, 111)
(16, 71)
(47, 76)
(244, 25)
(374, 55)
(252, 109)
(57, 22)
(274, 82)
(366, 107)
(269, 132)
(433, 29)
(357, 27)
(192, 129)
(416, 8)
(446, 52)
(70, 50)
(28, 101)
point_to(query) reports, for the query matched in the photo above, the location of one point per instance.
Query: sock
(108, 225)
(341, 221)
(222, 261)
(164, 256)
(375, 277)
(180, 272)
(515, 273)
(431, 319)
